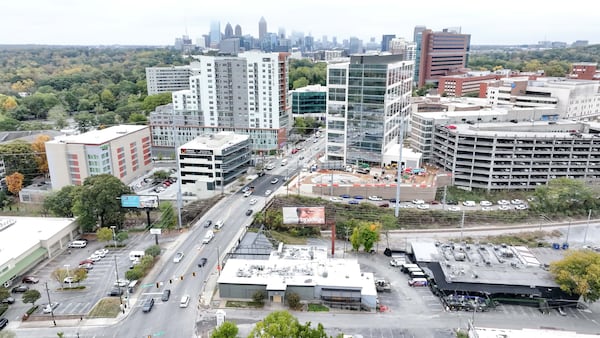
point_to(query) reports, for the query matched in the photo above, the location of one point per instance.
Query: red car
(86, 261)
(30, 280)
(295, 150)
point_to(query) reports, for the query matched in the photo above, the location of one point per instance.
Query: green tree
(278, 324)
(153, 251)
(85, 122)
(564, 195)
(122, 236)
(107, 119)
(293, 300)
(31, 296)
(161, 174)
(168, 218)
(98, 202)
(4, 293)
(58, 115)
(104, 234)
(134, 274)
(226, 330)
(355, 240)
(80, 275)
(18, 156)
(299, 83)
(153, 101)
(60, 203)
(579, 274)
(9, 124)
(306, 331)
(108, 99)
(138, 118)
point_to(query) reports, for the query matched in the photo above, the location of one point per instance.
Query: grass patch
(287, 238)
(528, 239)
(243, 305)
(108, 307)
(318, 308)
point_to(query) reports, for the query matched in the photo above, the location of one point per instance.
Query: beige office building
(122, 151)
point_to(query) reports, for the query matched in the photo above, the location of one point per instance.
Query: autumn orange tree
(15, 183)
(40, 153)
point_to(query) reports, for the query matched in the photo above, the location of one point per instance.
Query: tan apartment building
(122, 151)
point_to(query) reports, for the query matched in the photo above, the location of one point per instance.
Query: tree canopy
(579, 274)
(564, 196)
(98, 202)
(281, 324)
(225, 330)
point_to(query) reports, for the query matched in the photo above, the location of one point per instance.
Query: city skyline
(67, 22)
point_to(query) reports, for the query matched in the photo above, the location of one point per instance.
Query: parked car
(248, 212)
(70, 279)
(208, 223)
(503, 202)
(86, 261)
(485, 203)
(101, 252)
(454, 208)
(423, 206)
(48, 308)
(516, 202)
(358, 197)
(375, 198)
(95, 258)
(30, 280)
(148, 304)
(384, 205)
(353, 202)
(469, 203)
(335, 199)
(166, 295)
(8, 300)
(86, 266)
(345, 196)
(202, 262)
(20, 288)
(418, 202)
(3, 323)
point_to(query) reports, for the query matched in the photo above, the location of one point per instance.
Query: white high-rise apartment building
(169, 79)
(246, 94)
(367, 106)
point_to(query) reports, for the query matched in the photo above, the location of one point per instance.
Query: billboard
(139, 201)
(304, 215)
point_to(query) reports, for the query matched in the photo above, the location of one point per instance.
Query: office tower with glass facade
(368, 105)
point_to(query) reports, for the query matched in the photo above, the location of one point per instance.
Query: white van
(136, 255)
(407, 266)
(284, 162)
(185, 301)
(219, 224)
(78, 244)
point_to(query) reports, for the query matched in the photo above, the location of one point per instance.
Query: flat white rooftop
(299, 266)
(97, 137)
(219, 140)
(27, 232)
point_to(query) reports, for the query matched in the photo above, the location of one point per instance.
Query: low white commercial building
(209, 162)
(304, 270)
(27, 241)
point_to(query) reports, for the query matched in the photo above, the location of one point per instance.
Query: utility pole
(444, 198)
(218, 261)
(587, 227)
(462, 225)
(50, 304)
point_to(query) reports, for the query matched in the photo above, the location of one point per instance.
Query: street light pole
(118, 284)
(50, 304)
(115, 235)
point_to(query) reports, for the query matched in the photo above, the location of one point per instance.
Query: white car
(423, 206)
(335, 199)
(375, 198)
(487, 209)
(248, 193)
(178, 257)
(101, 252)
(397, 262)
(121, 282)
(503, 202)
(516, 202)
(268, 192)
(469, 203)
(275, 180)
(253, 201)
(70, 280)
(95, 257)
(454, 208)
(48, 308)
(418, 202)
(521, 207)
(485, 203)
(504, 207)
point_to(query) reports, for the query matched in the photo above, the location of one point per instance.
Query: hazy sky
(158, 22)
